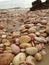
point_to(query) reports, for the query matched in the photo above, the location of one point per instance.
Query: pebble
(6, 58)
(37, 33)
(31, 50)
(22, 50)
(25, 45)
(19, 58)
(47, 38)
(4, 36)
(42, 30)
(32, 30)
(1, 45)
(43, 34)
(4, 40)
(27, 26)
(1, 50)
(15, 49)
(8, 49)
(16, 34)
(38, 57)
(32, 35)
(39, 47)
(44, 22)
(22, 28)
(30, 60)
(1, 27)
(33, 44)
(39, 39)
(24, 39)
(7, 43)
(43, 52)
(17, 41)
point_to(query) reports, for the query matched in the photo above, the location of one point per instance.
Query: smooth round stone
(31, 35)
(43, 52)
(24, 39)
(47, 38)
(25, 45)
(1, 45)
(32, 30)
(43, 21)
(15, 49)
(4, 36)
(31, 50)
(16, 34)
(19, 58)
(6, 58)
(39, 47)
(30, 60)
(40, 39)
(38, 57)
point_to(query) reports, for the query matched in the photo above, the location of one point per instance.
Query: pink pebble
(43, 46)
(43, 52)
(15, 49)
(32, 35)
(39, 47)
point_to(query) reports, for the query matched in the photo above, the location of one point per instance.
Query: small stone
(31, 50)
(37, 33)
(33, 44)
(43, 22)
(7, 43)
(39, 47)
(8, 49)
(43, 45)
(22, 50)
(16, 34)
(24, 30)
(19, 58)
(1, 50)
(4, 36)
(24, 39)
(47, 38)
(43, 34)
(38, 57)
(42, 31)
(15, 49)
(1, 27)
(40, 39)
(1, 45)
(4, 40)
(27, 26)
(32, 35)
(32, 30)
(17, 41)
(43, 52)
(25, 45)
(30, 60)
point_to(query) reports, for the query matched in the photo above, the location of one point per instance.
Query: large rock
(6, 58)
